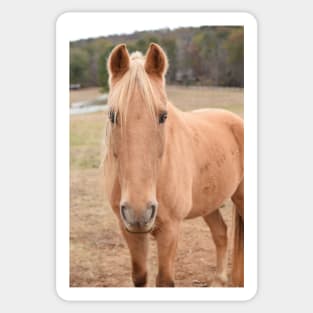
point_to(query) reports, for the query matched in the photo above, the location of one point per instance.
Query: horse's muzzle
(138, 222)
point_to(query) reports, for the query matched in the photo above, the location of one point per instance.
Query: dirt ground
(98, 253)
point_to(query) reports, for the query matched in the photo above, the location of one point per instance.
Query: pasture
(98, 254)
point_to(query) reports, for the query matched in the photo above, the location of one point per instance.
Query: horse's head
(137, 123)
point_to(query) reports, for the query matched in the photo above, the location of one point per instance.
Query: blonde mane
(134, 80)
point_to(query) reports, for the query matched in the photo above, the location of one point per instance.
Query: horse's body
(158, 175)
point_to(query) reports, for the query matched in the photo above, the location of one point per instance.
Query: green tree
(234, 44)
(79, 61)
(235, 49)
(169, 45)
(103, 75)
(142, 44)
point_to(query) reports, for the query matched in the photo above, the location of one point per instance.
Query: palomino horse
(163, 166)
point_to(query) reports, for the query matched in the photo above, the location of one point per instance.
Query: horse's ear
(118, 62)
(156, 60)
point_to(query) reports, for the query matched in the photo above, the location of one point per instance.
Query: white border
(64, 24)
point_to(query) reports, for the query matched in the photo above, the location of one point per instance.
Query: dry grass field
(84, 94)
(98, 253)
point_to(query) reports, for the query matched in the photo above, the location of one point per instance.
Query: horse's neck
(175, 113)
(177, 156)
(177, 120)
(177, 128)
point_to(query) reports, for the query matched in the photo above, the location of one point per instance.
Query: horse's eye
(112, 117)
(162, 117)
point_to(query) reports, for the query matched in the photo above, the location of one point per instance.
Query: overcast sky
(103, 24)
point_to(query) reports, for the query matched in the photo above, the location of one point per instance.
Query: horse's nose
(150, 212)
(138, 221)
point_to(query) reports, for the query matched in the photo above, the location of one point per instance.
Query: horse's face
(138, 122)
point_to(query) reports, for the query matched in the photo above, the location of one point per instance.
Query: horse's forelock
(135, 79)
(136, 55)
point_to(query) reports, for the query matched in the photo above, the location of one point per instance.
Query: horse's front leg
(138, 248)
(167, 237)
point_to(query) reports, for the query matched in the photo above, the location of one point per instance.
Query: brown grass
(192, 98)
(98, 253)
(84, 94)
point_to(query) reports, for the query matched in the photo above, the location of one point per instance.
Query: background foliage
(206, 56)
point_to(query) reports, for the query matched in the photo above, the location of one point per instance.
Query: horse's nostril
(150, 213)
(153, 208)
(124, 208)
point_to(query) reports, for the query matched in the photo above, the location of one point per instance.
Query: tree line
(205, 56)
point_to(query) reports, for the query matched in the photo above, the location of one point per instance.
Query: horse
(162, 165)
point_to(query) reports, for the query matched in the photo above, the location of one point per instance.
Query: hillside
(207, 56)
